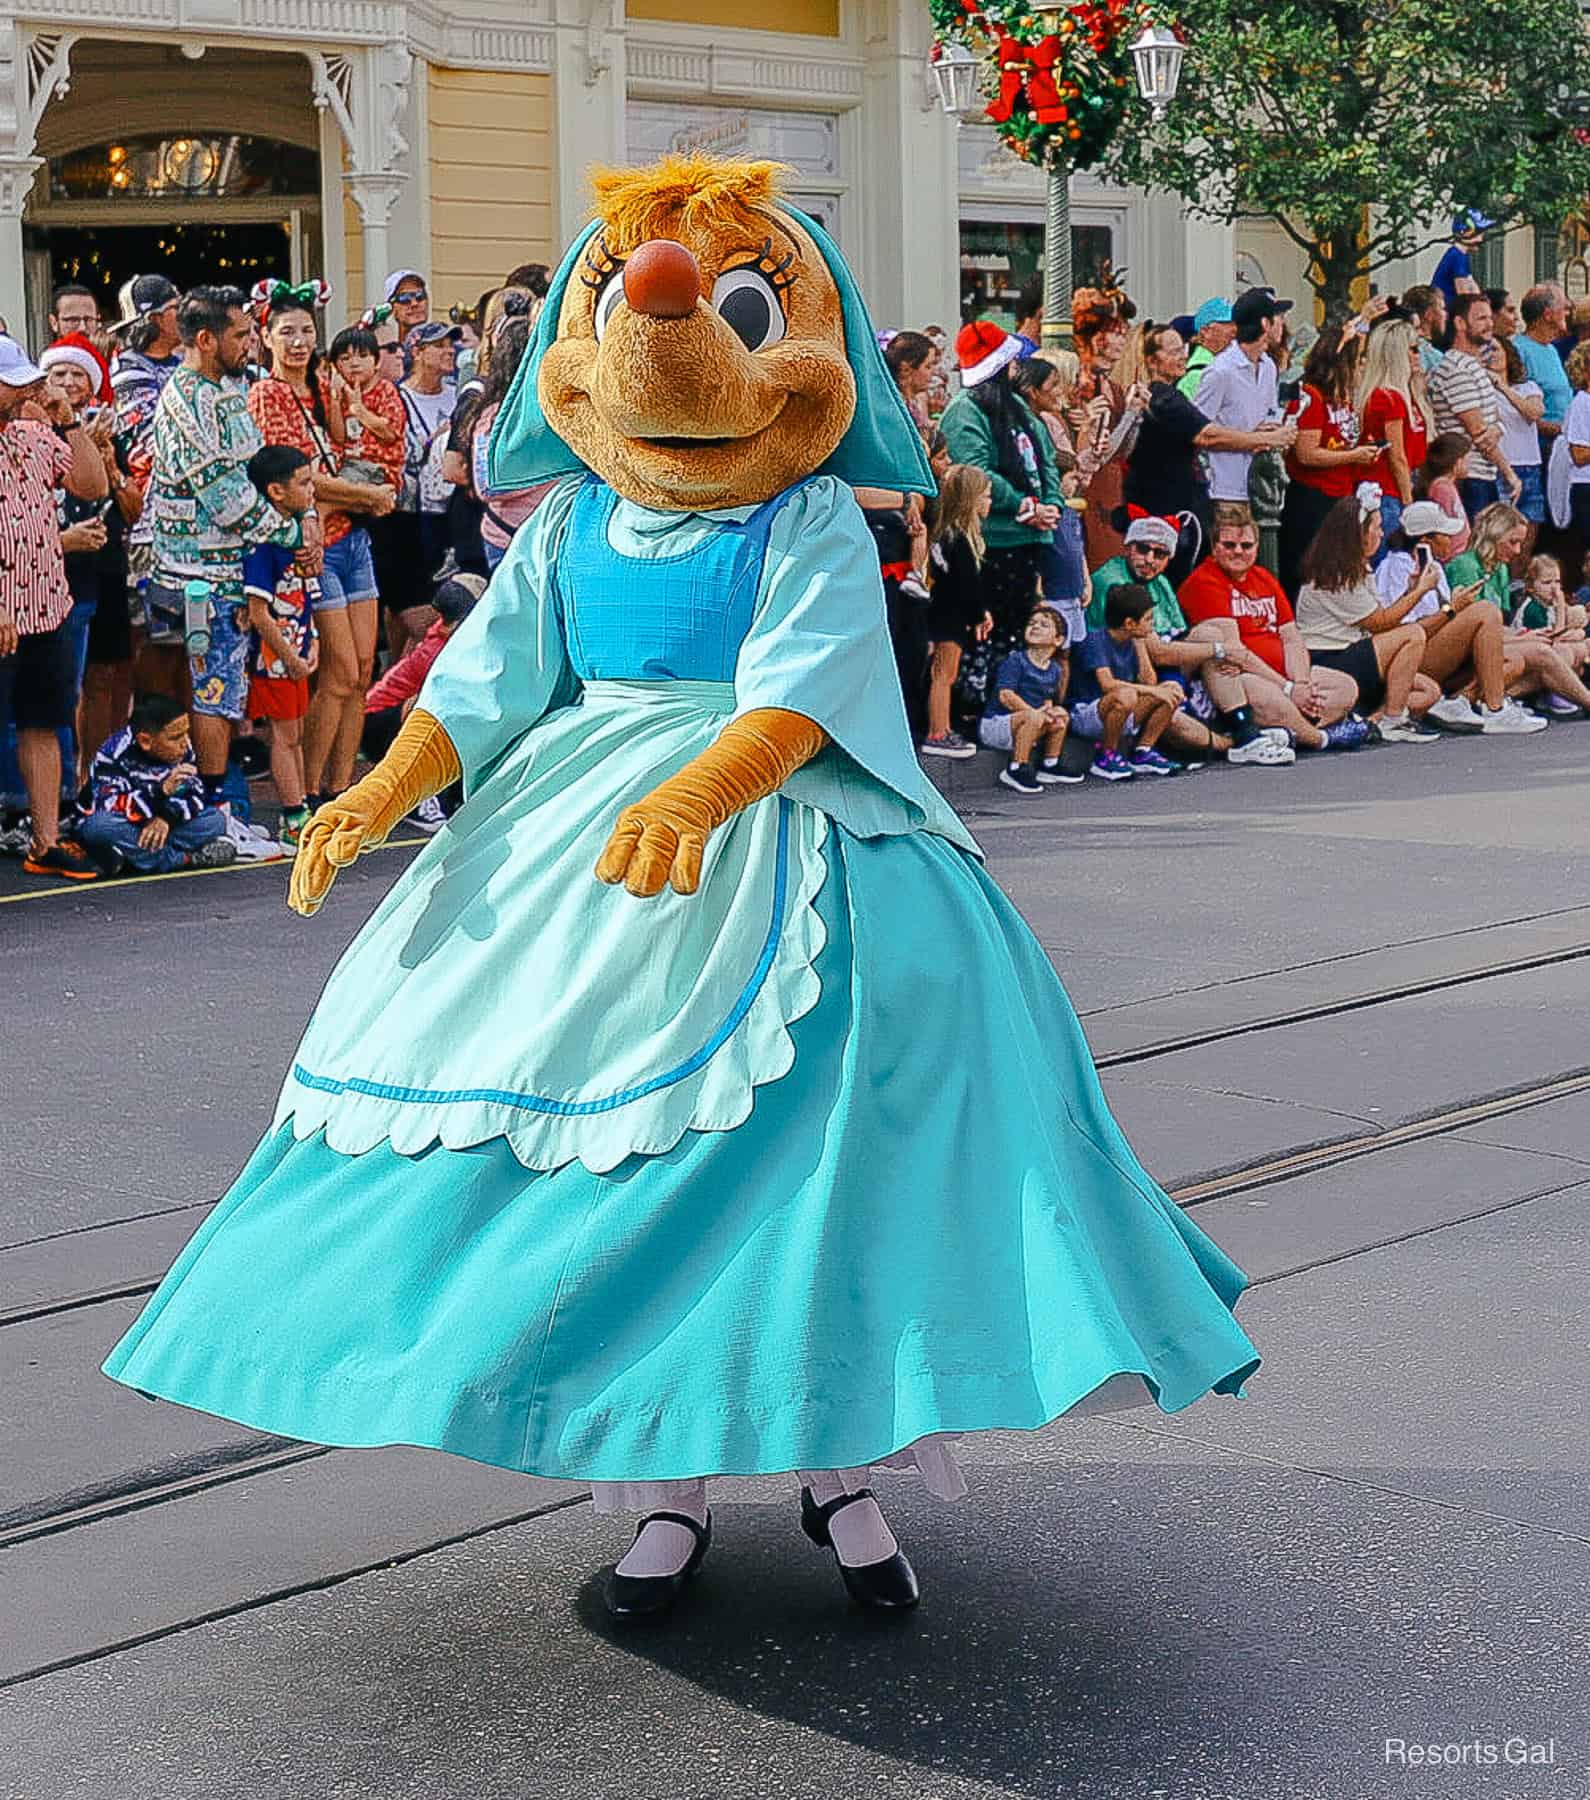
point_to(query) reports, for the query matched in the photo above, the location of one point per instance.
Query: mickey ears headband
(269, 296)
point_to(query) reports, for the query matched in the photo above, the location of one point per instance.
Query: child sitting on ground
(1025, 713)
(142, 806)
(1115, 693)
(284, 649)
(1547, 612)
(390, 699)
(957, 616)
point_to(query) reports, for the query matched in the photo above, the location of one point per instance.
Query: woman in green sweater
(1533, 665)
(988, 425)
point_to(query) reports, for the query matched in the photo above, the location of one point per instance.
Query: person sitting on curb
(1314, 705)
(1115, 692)
(1025, 714)
(143, 803)
(1464, 650)
(1206, 662)
(1534, 665)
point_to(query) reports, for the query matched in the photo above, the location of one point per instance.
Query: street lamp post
(1156, 59)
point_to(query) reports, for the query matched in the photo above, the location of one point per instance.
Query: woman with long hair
(301, 403)
(1110, 414)
(501, 513)
(1046, 383)
(1347, 626)
(1326, 462)
(957, 614)
(1534, 665)
(989, 425)
(1394, 409)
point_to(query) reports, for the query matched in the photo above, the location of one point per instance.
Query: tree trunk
(1333, 273)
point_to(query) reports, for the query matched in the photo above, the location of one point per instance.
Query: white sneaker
(250, 847)
(428, 816)
(1510, 720)
(1405, 730)
(1264, 751)
(1455, 714)
(1277, 734)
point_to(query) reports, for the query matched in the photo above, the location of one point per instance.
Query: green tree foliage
(1353, 123)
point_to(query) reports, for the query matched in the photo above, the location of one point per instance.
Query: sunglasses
(407, 296)
(1152, 550)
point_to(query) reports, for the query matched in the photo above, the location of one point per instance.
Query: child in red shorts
(285, 648)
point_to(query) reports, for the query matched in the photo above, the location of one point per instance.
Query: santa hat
(75, 350)
(982, 350)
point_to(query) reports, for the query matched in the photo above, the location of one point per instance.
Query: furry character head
(700, 359)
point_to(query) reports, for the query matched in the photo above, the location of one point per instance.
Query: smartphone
(103, 511)
(1423, 556)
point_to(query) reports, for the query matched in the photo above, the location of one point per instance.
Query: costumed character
(694, 1104)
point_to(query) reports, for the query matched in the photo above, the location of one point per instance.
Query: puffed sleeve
(506, 667)
(819, 645)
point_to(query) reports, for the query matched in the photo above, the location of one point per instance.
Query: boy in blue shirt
(143, 806)
(1025, 713)
(1115, 692)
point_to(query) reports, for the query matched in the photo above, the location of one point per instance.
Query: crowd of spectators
(215, 528)
(232, 537)
(1379, 526)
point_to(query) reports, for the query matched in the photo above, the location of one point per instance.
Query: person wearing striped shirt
(1464, 399)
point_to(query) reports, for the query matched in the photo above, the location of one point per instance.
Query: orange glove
(421, 762)
(662, 838)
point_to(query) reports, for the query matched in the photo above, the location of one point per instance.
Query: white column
(1211, 253)
(16, 182)
(375, 196)
(589, 82)
(908, 250)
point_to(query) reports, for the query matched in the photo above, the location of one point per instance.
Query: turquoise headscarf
(882, 448)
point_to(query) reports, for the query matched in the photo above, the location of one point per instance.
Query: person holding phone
(1464, 637)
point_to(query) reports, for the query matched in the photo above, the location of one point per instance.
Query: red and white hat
(982, 350)
(75, 350)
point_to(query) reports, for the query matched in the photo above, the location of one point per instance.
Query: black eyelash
(600, 265)
(778, 272)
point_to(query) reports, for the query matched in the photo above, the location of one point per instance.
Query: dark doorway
(102, 257)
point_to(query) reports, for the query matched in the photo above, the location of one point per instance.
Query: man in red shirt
(1282, 686)
(43, 446)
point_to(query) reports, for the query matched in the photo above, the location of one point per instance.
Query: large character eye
(608, 300)
(749, 303)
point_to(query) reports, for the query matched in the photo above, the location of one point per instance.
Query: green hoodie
(971, 440)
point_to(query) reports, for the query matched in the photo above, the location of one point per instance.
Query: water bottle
(196, 617)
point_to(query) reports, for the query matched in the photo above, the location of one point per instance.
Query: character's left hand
(656, 842)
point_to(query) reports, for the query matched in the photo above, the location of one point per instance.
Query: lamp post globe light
(958, 72)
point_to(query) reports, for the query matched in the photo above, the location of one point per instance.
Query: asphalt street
(1339, 1009)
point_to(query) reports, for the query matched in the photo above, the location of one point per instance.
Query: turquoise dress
(795, 1172)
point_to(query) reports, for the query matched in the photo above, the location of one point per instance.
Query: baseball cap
(396, 279)
(1183, 325)
(16, 368)
(1256, 304)
(1425, 516)
(1470, 220)
(1214, 311)
(432, 332)
(143, 295)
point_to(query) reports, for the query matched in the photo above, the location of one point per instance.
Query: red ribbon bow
(1028, 67)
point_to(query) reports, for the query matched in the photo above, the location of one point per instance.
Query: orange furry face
(740, 391)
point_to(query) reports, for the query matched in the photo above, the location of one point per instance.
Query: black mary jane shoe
(643, 1597)
(887, 1586)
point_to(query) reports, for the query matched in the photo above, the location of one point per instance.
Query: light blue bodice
(672, 617)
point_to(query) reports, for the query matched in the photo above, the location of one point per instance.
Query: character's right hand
(332, 839)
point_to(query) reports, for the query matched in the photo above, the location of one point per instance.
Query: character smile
(687, 443)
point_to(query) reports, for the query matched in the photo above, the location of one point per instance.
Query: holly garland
(1058, 84)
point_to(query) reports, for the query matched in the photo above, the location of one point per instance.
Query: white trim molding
(677, 68)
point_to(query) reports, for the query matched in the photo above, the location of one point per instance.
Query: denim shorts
(348, 572)
(1532, 501)
(220, 676)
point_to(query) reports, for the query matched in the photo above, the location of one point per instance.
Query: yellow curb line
(284, 863)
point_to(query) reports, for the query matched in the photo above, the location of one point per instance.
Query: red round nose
(663, 280)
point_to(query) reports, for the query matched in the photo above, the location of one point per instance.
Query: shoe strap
(676, 1518)
(826, 1511)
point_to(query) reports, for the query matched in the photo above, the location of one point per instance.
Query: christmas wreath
(1058, 84)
